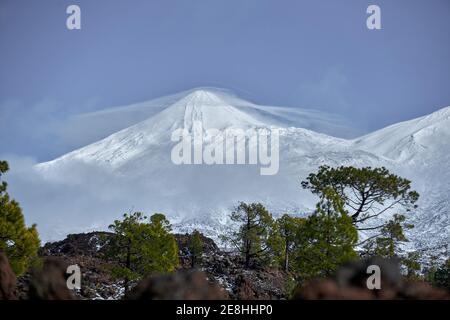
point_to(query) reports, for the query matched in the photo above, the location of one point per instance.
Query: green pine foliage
(442, 276)
(367, 192)
(364, 194)
(386, 244)
(288, 227)
(411, 262)
(19, 242)
(195, 248)
(326, 239)
(142, 247)
(255, 235)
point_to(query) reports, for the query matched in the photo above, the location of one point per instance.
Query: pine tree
(274, 255)
(141, 248)
(19, 243)
(255, 232)
(326, 239)
(412, 264)
(163, 246)
(288, 228)
(442, 276)
(366, 192)
(386, 243)
(195, 247)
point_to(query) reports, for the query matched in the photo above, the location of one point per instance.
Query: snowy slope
(100, 124)
(420, 150)
(132, 169)
(412, 141)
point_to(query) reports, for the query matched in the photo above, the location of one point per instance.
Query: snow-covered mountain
(132, 168)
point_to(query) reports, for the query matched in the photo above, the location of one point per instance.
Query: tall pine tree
(141, 248)
(326, 239)
(386, 242)
(367, 192)
(255, 231)
(288, 228)
(19, 242)
(195, 248)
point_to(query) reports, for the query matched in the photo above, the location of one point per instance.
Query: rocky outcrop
(221, 269)
(87, 250)
(92, 244)
(49, 282)
(220, 275)
(182, 285)
(255, 284)
(7, 279)
(350, 284)
(183, 242)
(264, 284)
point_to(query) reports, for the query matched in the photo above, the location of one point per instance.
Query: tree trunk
(286, 257)
(247, 254)
(247, 243)
(128, 266)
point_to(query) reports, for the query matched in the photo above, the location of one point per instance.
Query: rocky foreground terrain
(219, 275)
(223, 270)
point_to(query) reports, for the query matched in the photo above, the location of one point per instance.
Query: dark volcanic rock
(220, 275)
(222, 269)
(259, 283)
(183, 240)
(7, 279)
(91, 244)
(350, 284)
(422, 291)
(182, 285)
(49, 282)
(262, 284)
(87, 250)
(355, 274)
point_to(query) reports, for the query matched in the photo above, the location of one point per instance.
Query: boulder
(7, 279)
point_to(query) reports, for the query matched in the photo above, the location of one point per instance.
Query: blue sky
(310, 54)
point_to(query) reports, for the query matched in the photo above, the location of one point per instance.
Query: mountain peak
(214, 108)
(205, 97)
